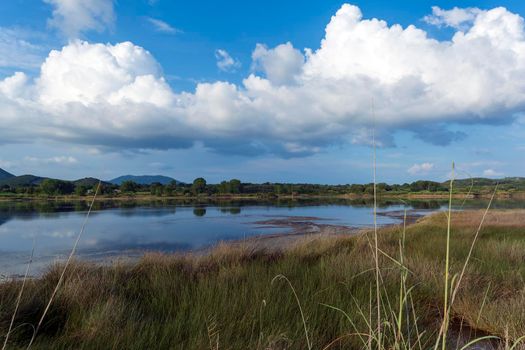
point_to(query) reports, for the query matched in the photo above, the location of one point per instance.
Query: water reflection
(29, 210)
(232, 210)
(129, 227)
(199, 211)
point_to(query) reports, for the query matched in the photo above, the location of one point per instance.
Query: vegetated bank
(33, 187)
(231, 298)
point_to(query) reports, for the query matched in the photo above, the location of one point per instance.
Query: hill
(23, 180)
(507, 183)
(144, 179)
(89, 182)
(5, 175)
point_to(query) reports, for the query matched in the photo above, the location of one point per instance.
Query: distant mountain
(28, 180)
(482, 181)
(7, 179)
(5, 175)
(144, 179)
(89, 182)
(24, 180)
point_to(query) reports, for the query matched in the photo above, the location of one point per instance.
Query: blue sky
(226, 89)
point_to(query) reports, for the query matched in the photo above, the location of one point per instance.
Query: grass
(231, 298)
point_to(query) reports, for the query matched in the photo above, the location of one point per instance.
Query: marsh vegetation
(231, 298)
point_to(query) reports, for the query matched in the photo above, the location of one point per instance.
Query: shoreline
(294, 230)
(303, 227)
(256, 197)
(298, 227)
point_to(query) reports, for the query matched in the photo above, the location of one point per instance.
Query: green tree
(129, 186)
(224, 187)
(54, 187)
(235, 186)
(356, 188)
(156, 189)
(383, 187)
(199, 185)
(81, 190)
(426, 186)
(103, 189)
(369, 189)
(171, 188)
(199, 211)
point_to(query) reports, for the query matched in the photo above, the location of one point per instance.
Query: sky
(279, 91)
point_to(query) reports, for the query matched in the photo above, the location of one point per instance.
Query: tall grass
(405, 294)
(446, 312)
(376, 245)
(19, 298)
(66, 265)
(282, 277)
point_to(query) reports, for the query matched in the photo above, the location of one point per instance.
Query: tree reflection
(199, 211)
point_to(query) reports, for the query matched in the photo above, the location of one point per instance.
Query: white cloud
(420, 169)
(13, 86)
(162, 26)
(293, 103)
(62, 160)
(458, 18)
(225, 62)
(75, 16)
(38, 161)
(280, 65)
(492, 173)
(96, 73)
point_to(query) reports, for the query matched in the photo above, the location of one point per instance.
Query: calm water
(130, 228)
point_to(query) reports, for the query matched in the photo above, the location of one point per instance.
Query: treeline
(53, 187)
(199, 186)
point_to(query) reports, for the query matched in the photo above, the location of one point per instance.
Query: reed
(24, 280)
(68, 261)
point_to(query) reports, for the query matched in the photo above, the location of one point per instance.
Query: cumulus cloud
(92, 74)
(225, 62)
(280, 65)
(14, 85)
(420, 169)
(75, 16)
(293, 103)
(458, 18)
(162, 26)
(492, 173)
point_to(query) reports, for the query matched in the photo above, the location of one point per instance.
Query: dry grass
(494, 218)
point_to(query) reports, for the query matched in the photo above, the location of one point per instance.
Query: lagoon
(130, 228)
